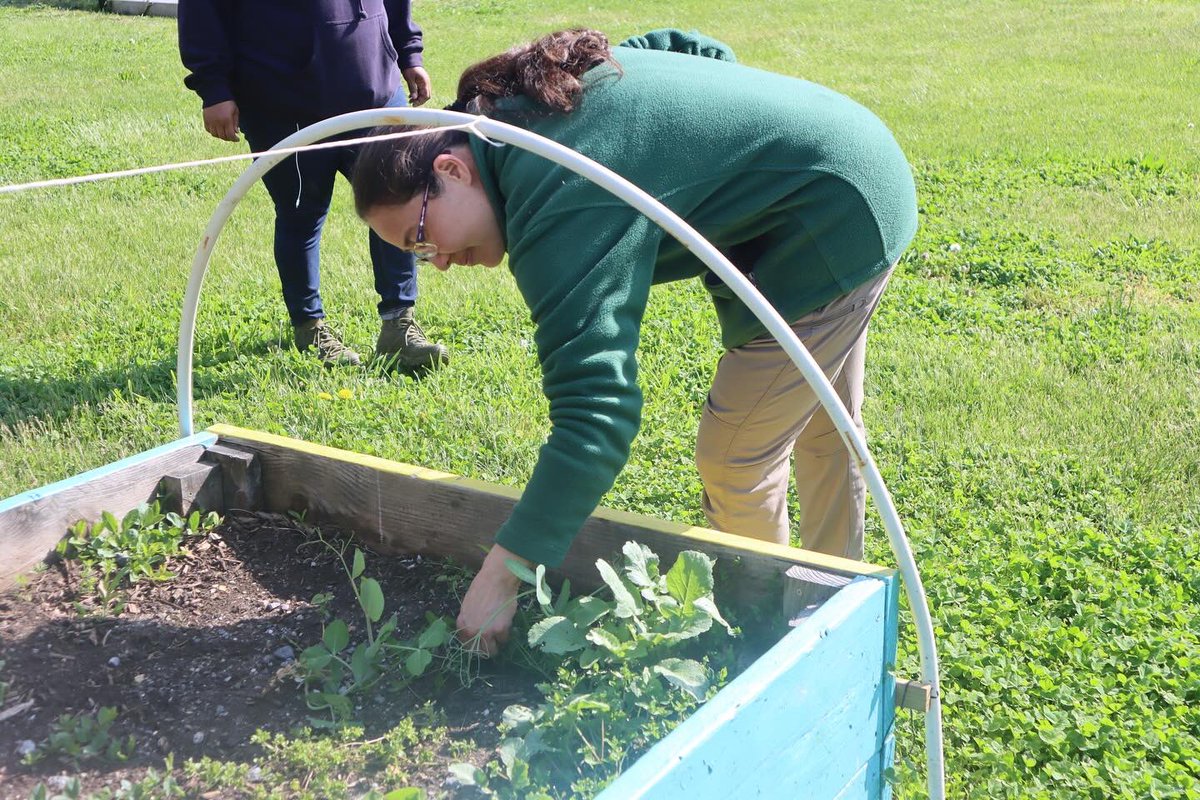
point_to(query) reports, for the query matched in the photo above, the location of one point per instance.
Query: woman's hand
(487, 611)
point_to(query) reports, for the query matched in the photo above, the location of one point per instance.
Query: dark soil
(196, 665)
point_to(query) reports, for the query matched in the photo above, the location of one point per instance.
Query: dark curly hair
(547, 71)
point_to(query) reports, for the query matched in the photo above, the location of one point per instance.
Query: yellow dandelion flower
(345, 394)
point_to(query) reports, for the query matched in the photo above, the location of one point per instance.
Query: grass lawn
(1033, 380)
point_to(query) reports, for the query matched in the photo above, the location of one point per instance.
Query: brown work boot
(402, 343)
(315, 334)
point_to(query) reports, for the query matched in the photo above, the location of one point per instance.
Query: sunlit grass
(1033, 376)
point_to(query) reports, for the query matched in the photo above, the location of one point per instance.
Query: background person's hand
(221, 120)
(419, 85)
(487, 611)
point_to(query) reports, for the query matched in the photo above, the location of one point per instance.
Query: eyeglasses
(422, 248)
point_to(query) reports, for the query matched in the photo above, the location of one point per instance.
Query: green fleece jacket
(802, 188)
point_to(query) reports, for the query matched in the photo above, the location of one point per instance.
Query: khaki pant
(761, 409)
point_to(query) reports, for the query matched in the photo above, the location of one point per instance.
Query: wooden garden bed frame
(813, 717)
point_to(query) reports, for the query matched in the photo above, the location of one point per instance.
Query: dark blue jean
(301, 187)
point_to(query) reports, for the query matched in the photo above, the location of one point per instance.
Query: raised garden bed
(811, 717)
(196, 665)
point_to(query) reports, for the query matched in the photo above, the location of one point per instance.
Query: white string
(126, 173)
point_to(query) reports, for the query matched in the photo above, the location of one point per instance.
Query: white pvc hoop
(689, 238)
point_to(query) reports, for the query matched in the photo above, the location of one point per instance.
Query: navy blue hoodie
(302, 60)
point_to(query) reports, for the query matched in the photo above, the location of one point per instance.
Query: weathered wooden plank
(32, 523)
(241, 476)
(399, 508)
(192, 487)
(799, 722)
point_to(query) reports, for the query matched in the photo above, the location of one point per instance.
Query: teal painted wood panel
(869, 781)
(891, 629)
(800, 722)
(203, 439)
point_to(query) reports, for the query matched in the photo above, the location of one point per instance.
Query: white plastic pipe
(693, 241)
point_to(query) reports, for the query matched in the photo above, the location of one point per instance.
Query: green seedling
(84, 737)
(333, 672)
(116, 554)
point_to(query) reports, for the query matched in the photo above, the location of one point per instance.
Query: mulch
(196, 665)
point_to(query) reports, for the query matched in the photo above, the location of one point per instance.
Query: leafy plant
(115, 554)
(85, 737)
(333, 672)
(330, 764)
(624, 676)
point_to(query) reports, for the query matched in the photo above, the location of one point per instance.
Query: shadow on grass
(24, 398)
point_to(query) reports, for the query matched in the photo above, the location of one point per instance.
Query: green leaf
(134, 518)
(692, 626)
(336, 703)
(371, 598)
(588, 657)
(626, 606)
(517, 717)
(417, 661)
(336, 636)
(524, 573)
(641, 564)
(518, 774)
(386, 629)
(407, 793)
(360, 563)
(584, 702)
(587, 610)
(688, 675)
(707, 605)
(544, 597)
(564, 597)
(509, 751)
(436, 635)
(556, 635)
(691, 577)
(606, 639)
(360, 664)
(535, 742)
(468, 774)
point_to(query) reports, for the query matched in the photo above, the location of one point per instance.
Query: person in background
(271, 67)
(804, 190)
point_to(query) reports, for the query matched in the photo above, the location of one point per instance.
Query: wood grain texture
(192, 487)
(32, 523)
(399, 508)
(241, 477)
